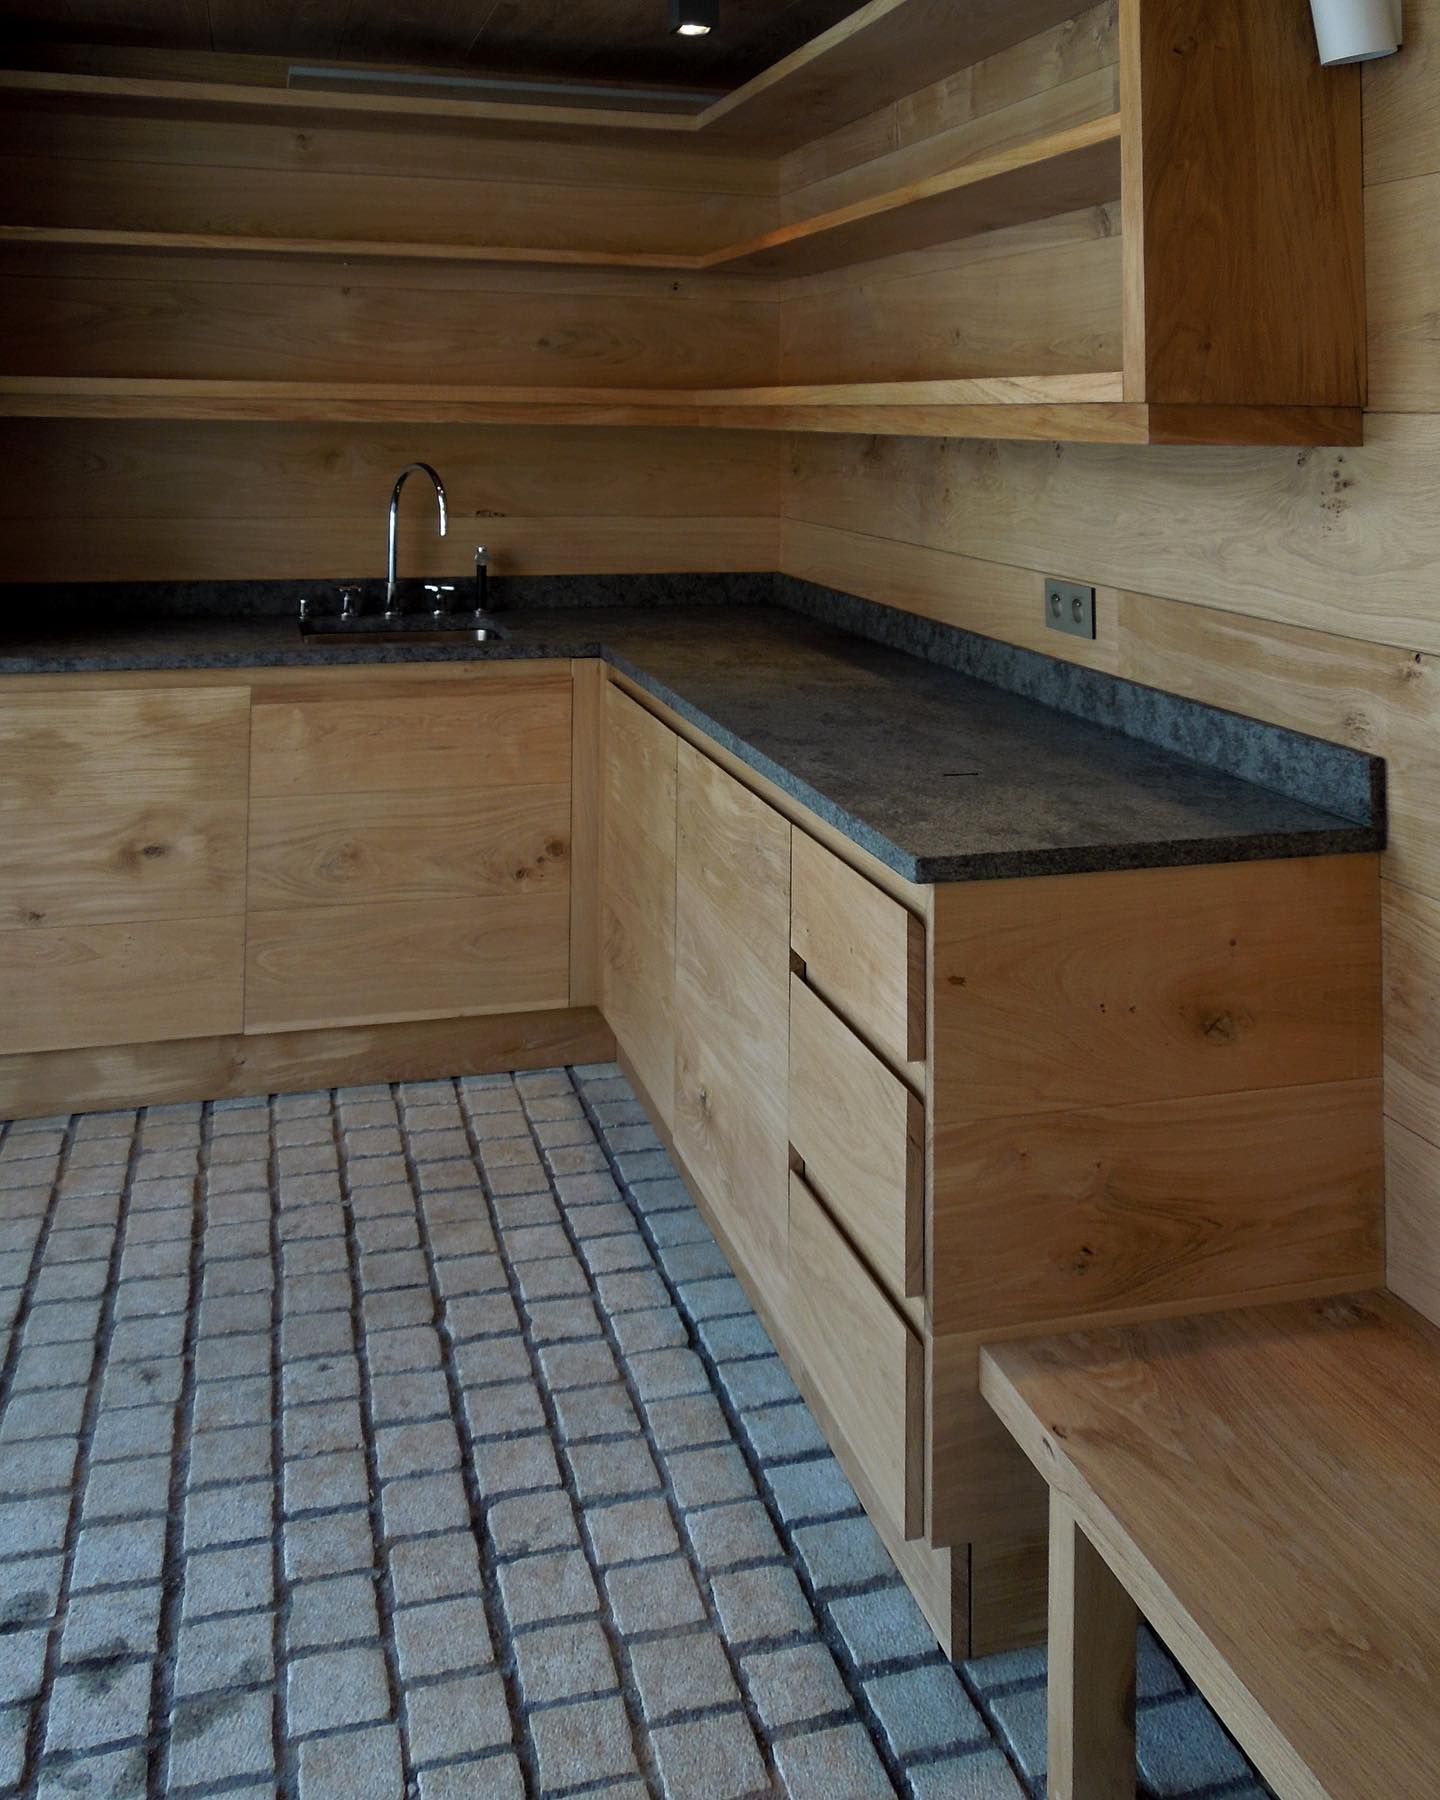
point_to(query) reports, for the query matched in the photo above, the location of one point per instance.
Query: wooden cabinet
(409, 850)
(247, 862)
(637, 892)
(122, 866)
(732, 976)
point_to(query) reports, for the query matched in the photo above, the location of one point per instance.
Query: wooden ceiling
(588, 39)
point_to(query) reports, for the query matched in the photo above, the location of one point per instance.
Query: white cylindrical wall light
(1352, 31)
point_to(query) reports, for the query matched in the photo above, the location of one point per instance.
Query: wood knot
(1219, 1028)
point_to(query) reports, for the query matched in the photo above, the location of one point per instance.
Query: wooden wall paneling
(1216, 260)
(1402, 126)
(340, 147)
(225, 1067)
(235, 324)
(148, 500)
(1083, 1214)
(1028, 119)
(261, 202)
(881, 52)
(1341, 540)
(984, 597)
(1374, 697)
(1033, 300)
(1403, 270)
(142, 469)
(327, 548)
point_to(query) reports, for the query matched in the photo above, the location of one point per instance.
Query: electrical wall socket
(1070, 608)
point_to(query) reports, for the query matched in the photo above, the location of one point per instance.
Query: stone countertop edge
(1341, 838)
(1070, 859)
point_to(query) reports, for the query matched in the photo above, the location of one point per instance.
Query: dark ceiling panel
(591, 39)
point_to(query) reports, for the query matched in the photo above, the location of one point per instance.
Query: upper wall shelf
(1046, 408)
(882, 52)
(1029, 181)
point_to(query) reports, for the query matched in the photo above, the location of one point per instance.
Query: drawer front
(507, 731)
(861, 1134)
(863, 1368)
(863, 951)
(82, 986)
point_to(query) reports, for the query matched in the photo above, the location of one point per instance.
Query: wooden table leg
(1092, 1668)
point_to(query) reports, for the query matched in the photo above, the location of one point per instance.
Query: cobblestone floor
(418, 1442)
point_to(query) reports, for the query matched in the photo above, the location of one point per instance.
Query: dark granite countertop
(940, 776)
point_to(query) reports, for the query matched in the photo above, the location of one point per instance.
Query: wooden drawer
(863, 951)
(861, 1134)
(863, 1369)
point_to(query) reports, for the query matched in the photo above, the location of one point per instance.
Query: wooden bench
(1264, 1485)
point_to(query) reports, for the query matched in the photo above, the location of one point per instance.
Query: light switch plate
(1070, 608)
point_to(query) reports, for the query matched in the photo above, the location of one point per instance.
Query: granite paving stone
(418, 1440)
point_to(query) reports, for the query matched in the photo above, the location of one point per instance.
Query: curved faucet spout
(422, 468)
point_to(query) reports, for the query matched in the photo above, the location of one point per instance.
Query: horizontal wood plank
(1075, 1215)
(227, 1067)
(72, 987)
(384, 962)
(1101, 990)
(507, 734)
(367, 848)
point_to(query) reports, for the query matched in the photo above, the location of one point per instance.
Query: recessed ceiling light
(694, 18)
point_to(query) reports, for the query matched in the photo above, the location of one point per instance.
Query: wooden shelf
(1063, 408)
(66, 237)
(1016, 186)
(1068, 170)
(882, 52)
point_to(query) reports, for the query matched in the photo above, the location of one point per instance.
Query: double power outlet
(1070, 608)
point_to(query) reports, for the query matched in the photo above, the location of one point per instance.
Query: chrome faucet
(400, 480)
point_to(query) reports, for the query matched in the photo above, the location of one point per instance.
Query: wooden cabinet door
(637, 906)
(122, 866)
(732, 981)
(409, 849)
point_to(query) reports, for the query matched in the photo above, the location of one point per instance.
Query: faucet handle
(437, 591)
(349, 603)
